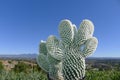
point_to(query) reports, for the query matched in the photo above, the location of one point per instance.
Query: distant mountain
(20, 56)
(32, 56)
(103, 58)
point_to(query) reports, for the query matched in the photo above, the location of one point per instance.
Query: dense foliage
(4, 75)
(21, 67)
(103, 75)
(90, 75)
(1, 66)
(24, 71)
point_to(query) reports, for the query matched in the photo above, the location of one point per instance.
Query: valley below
(24, 67)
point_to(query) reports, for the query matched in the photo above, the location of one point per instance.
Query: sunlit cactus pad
(64, 59)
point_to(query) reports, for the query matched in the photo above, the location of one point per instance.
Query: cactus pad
(65, 59)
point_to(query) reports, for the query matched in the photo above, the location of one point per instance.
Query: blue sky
(23, 23)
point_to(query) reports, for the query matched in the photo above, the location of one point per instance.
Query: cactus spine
(65, 59)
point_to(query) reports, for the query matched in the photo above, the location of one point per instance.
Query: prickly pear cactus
(77, 45)
(49, 59)
(42, 59)
(65, 59)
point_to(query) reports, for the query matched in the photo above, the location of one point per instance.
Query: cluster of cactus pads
(64, 59)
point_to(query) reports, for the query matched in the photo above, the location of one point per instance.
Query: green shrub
(1, 66)
(21, 67)
(103, 75)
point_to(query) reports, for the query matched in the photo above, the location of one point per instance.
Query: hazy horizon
(23, 24)
(35, 54)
